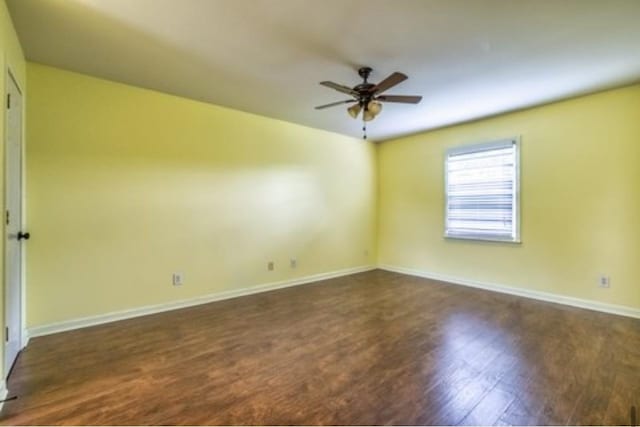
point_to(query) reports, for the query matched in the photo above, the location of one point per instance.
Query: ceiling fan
(367, 97)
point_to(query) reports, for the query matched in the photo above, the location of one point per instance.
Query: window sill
(496, 239)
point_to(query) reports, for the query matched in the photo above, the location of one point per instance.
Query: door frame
(24, 339)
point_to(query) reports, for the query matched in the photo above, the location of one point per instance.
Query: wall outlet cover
(178, 279)
(604, 281)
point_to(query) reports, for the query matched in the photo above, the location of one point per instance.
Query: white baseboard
(538, 295)
(84, 322)
(174, 305)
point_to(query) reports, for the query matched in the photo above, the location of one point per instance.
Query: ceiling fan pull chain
(364, 130)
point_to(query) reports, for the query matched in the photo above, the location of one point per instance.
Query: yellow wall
(11, 57)
(126, 186)
(580, 183)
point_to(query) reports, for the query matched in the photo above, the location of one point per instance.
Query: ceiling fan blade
(333, 104)
(340, 88)
(390, 82)
(400, 98)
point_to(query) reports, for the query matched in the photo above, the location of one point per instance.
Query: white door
(13, 225)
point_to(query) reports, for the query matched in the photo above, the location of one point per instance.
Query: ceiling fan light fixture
(368, 115)
(375, 107)
(354, 110)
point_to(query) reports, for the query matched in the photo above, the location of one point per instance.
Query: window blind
(482, 191)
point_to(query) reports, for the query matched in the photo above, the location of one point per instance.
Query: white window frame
(468, 148)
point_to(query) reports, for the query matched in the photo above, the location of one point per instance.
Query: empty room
(336, 212)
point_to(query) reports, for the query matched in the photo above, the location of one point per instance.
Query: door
(13, 225)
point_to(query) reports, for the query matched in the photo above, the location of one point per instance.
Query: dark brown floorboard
(372, 348)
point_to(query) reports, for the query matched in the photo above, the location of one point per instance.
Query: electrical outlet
(604, 281)
(270, 266)
(178, 279)
(293, 263)
(365, 253)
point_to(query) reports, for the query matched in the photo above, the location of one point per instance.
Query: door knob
(23, 236)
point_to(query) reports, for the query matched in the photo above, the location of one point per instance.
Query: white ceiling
(468, 58)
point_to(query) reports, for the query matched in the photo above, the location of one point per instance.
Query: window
(482, 186)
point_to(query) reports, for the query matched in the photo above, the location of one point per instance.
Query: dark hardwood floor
(372, 348)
